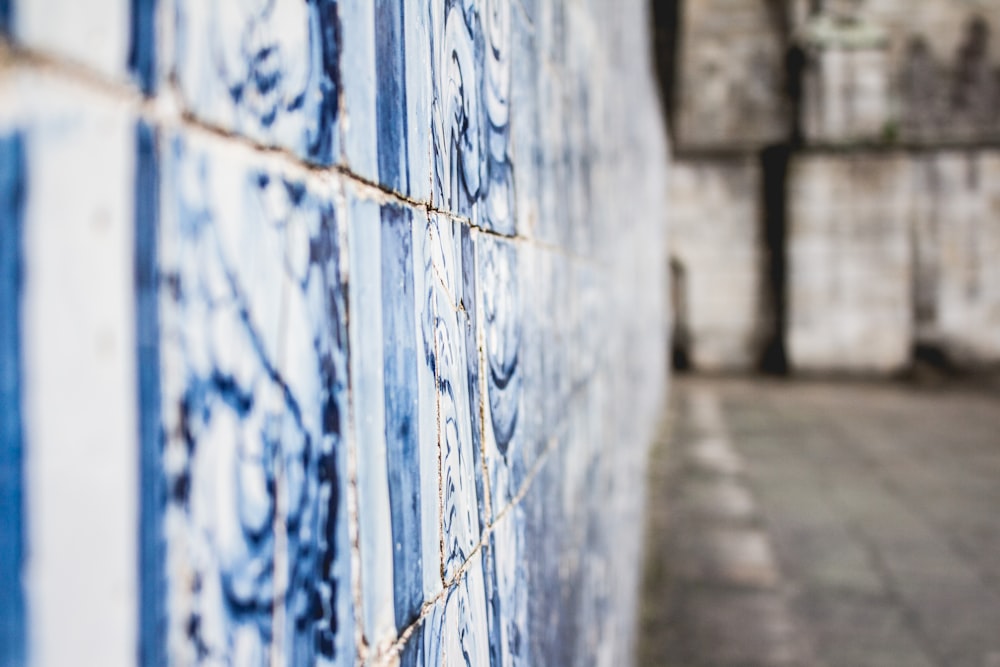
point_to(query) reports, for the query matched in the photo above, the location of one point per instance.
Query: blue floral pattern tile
(266, 70)
(115, 39)
(461, 472)
(255, 380)
(392, 306)
(403, 409)
(501, 316)
(375, 535)
(471, 71)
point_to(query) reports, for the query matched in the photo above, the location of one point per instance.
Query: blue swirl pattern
(254, 401)
(264, 69)
(398, 325)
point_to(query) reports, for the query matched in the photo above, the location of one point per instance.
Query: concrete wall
(333, 332)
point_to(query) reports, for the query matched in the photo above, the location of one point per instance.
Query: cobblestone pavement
(824, 524)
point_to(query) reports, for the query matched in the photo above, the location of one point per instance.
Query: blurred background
(826, 486)
(835, 190)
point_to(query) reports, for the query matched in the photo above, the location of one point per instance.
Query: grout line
(164, 110)
(401, 641)
(482, 368)
(437, 410)
(349, 442)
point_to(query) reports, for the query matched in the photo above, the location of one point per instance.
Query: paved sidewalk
(824, 524)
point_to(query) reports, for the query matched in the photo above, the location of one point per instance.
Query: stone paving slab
(824, 525)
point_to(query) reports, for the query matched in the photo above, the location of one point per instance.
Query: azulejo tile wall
(332, 332)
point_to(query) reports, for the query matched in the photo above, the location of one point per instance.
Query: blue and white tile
(551, 573)
(358, 124)
(368, 415)
(498, 206)
(470, 113)
(254, 402)
(268, 71)
(419, 96)
(464, 633)
(411, 442)
(460, 493)
(77, 361)
(454, 631)
(115, 38)
(526, 142)
(391, 94)
(428, 422)
(507, 585)
(12, 516)
(387, 97)
(501, 321)
(458, 148)
(552, 227)
(468, 304)
(536, 422)
(548, 328)
(584, 78)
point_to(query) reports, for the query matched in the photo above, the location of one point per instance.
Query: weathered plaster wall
(894, 71)
(333, 332)
(731, 81)
(849, 263)
(890, 250)
(891, 112)
(729, 102)
(718, 255)
(956, 228)
(880, 77)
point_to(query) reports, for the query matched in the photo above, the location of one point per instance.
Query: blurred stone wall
(333, 331)
(876, 246)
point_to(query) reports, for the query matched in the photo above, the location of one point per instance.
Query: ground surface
(839, 525)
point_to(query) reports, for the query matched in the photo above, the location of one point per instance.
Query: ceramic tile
(500, 316)
(358, 80)
(368, 410)
(254, 402)
(115, 38)
(381, 294)
(414, 519)
(69, 429)
(461, 472)
(265, 70)
(12, 548)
